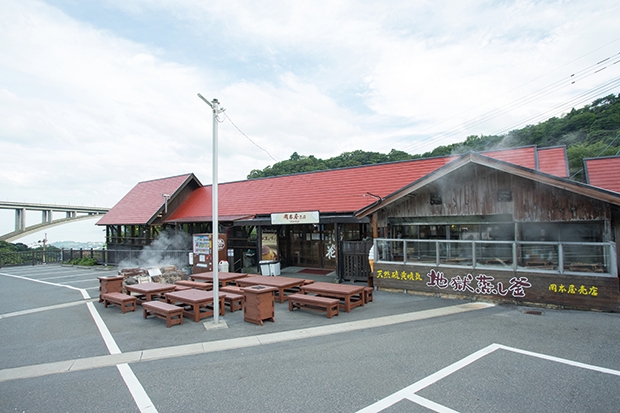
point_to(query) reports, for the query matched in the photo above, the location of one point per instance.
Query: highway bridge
(72, 213)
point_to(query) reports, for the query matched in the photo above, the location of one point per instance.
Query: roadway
(62, 351)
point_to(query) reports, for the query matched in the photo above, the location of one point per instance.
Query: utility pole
(215, 105)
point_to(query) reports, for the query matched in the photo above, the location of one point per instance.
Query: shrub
(87, 261)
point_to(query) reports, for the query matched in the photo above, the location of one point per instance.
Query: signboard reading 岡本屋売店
(308, 217)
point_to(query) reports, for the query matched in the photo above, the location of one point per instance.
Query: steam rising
(169, 248)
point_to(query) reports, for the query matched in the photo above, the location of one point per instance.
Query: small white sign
(287, 218)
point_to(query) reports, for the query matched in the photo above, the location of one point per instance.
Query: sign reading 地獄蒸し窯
(307, 217)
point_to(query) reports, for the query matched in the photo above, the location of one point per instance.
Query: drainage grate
(533, 312)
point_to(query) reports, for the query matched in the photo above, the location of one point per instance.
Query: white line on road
(409, 392)
(138, 393)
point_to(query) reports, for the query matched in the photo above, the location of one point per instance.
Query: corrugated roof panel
(604, 172)
(553, 161)
(141, 203)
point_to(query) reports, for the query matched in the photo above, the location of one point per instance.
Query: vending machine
(202, 259)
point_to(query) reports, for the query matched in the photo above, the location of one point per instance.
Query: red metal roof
(553, 161)
(604, 172)
(525, 156)
(143, 202)
(333, 191)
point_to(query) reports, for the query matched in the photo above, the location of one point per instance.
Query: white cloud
(91, 106)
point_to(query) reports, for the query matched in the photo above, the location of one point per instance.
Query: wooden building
(505, 224)
(484, 228)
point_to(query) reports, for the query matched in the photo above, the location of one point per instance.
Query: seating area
(193, 298)
(329, 305)
(124, 301)
(171, 313)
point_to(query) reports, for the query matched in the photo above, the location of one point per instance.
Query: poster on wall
(269, 246)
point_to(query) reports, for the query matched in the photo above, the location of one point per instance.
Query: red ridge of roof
(141, 204)
(604, 172)
(553, 161)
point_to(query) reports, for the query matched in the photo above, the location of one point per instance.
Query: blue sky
(96, 96)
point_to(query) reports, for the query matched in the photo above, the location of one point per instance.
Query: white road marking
(138, 393)
(41, 309)
(82, 291)
(409, 392)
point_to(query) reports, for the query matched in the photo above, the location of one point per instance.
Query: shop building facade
(487, 229)
(505, 214)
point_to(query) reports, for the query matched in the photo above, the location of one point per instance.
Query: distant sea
(77, 245)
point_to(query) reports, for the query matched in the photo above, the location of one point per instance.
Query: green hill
(588, 132)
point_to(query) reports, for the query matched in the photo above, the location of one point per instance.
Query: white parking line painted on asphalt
(431, 405)
(135, 388)
(81, 281)
(409, 392)
(59, 277)
(82, 291)
(138, 393)
(236, 343)
(42, 309)
(561, 360)
(103, 330)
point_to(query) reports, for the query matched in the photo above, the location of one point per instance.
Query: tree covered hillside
(588, 132)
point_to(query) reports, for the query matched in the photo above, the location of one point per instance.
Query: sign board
(269, 242)
(287, 218)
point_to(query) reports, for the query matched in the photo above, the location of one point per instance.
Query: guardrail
(591, 258)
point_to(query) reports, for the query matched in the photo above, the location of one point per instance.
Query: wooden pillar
(373, 223)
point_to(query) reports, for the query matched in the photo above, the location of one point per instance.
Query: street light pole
(215, 105)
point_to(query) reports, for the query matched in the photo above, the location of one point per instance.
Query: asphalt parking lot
(62, 351)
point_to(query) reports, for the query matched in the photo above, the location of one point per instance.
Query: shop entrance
(311, 245)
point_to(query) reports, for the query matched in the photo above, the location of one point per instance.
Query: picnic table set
(254, 294)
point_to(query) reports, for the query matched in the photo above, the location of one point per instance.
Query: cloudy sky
(96, 96)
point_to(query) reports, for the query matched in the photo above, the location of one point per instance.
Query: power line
(522, 101)
(298, 175)
(248, 138)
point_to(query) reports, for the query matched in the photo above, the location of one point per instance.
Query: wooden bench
(124, 301)
(234, 301)
(169, 312)
(368, 294)
(231, 289)
(330, 305)
(195, 284)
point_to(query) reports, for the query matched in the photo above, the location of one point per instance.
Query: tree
(586, 132)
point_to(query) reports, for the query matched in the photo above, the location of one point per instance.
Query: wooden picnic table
(351, 295)
(194, 300)
(148, 291)
(222, 277)
(281, 283)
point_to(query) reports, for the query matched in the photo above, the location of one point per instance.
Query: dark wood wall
(477, 190)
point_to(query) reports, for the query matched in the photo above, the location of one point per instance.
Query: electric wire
(581, 99)
(602, 152)
(248, 138)
(509, 91)
(522, 101)
(298, 175)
